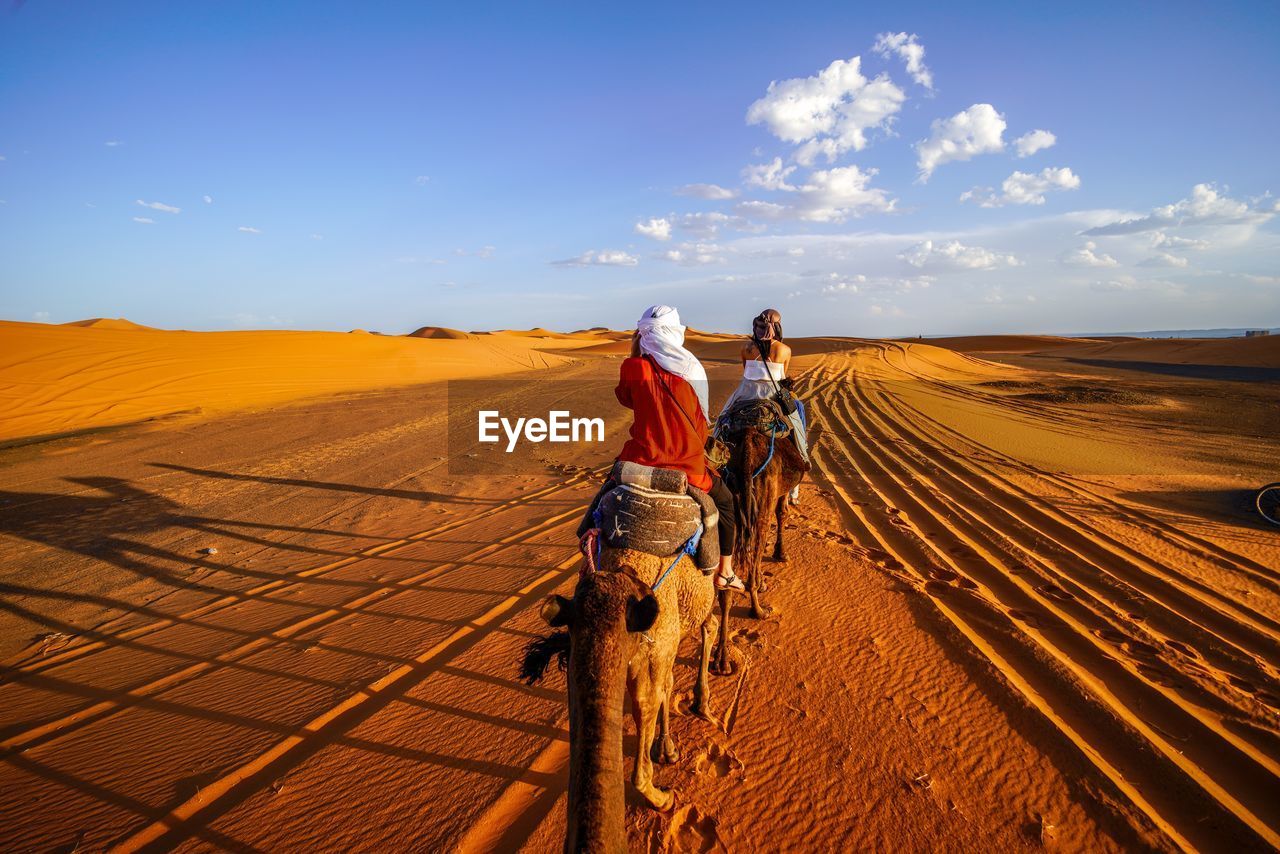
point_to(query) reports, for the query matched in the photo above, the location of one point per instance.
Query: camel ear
(557, 610)
(642, 612)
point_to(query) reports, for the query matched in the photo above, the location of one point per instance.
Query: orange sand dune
(1001, 343)
(1259, 352)
(1003, 622)
(107, 323)
(63, 379)
(438, 332)
(1263, 351)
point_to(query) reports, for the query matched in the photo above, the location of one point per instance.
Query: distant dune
(1263, 351)
(100, 373)
(1000, 343)
(438, 332)
(108, 323)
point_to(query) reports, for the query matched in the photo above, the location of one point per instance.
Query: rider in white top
(759, 377)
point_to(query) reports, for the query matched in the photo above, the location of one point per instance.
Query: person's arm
(628, 376)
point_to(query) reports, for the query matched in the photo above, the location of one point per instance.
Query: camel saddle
(762, 415)
(656, 511)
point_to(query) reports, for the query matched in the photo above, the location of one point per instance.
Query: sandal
(730, 582)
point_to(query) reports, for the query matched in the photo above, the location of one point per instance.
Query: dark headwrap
(767, 326)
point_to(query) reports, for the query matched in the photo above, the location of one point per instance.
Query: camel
(622, 634)
(757, 495)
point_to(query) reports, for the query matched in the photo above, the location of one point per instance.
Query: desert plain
(248, 601)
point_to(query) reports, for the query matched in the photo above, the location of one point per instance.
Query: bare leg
(725, 571)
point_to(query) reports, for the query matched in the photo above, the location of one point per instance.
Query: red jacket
(666, 433)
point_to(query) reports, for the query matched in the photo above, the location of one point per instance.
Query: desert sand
(249, 605)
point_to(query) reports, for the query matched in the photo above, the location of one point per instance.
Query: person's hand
(635, 344)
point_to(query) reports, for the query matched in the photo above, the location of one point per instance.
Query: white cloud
(977, 130)
(317, 237)
(249, 229)
(828, 113)
(422, 180)
(1086, 256)
(911, 52)
(112, 143)
(694, 254)
(603, 258)
(835, 194)
(655, 229)
(954, 255)
(145, 220)
(1163, 259)
(830, 195)
(160, 206)
(208, 200)
(706, 224)
(1037, 140)
(486, 251)
(41, 316)
(712, 192)
(1024, 188)
(768, 176)
(1206, 206)
(1160, 240)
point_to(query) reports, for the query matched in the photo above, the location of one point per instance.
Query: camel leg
(702, 688)
(759, 610)
(644, 707)
(665, 746)
(723, 666)
(779, 554)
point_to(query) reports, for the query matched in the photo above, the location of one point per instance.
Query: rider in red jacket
(665, 386)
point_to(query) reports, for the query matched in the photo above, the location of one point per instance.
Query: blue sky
(326, 165)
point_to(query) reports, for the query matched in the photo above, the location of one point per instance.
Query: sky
(921, 169)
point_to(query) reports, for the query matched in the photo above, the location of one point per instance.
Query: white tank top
(754, 369)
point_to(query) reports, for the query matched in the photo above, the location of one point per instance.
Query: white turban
(662, 337)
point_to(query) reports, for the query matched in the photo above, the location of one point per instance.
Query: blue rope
(690, 546)
(773, 431)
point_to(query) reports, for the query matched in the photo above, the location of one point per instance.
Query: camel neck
(597, 676)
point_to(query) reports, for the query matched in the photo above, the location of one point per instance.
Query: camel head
(608, 608)
(601, 628)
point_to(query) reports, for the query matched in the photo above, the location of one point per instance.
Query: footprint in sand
(750, 637)
(1055, 592)
(1160, 677)
(717, 761)
(1183, 648)
(1023, 617)
(1111, 635)
(691, 832)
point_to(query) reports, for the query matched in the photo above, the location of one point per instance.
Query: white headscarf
(662, 337)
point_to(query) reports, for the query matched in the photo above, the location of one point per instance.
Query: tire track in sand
(1049, 663)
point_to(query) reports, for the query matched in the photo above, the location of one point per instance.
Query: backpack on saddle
(653, 510)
